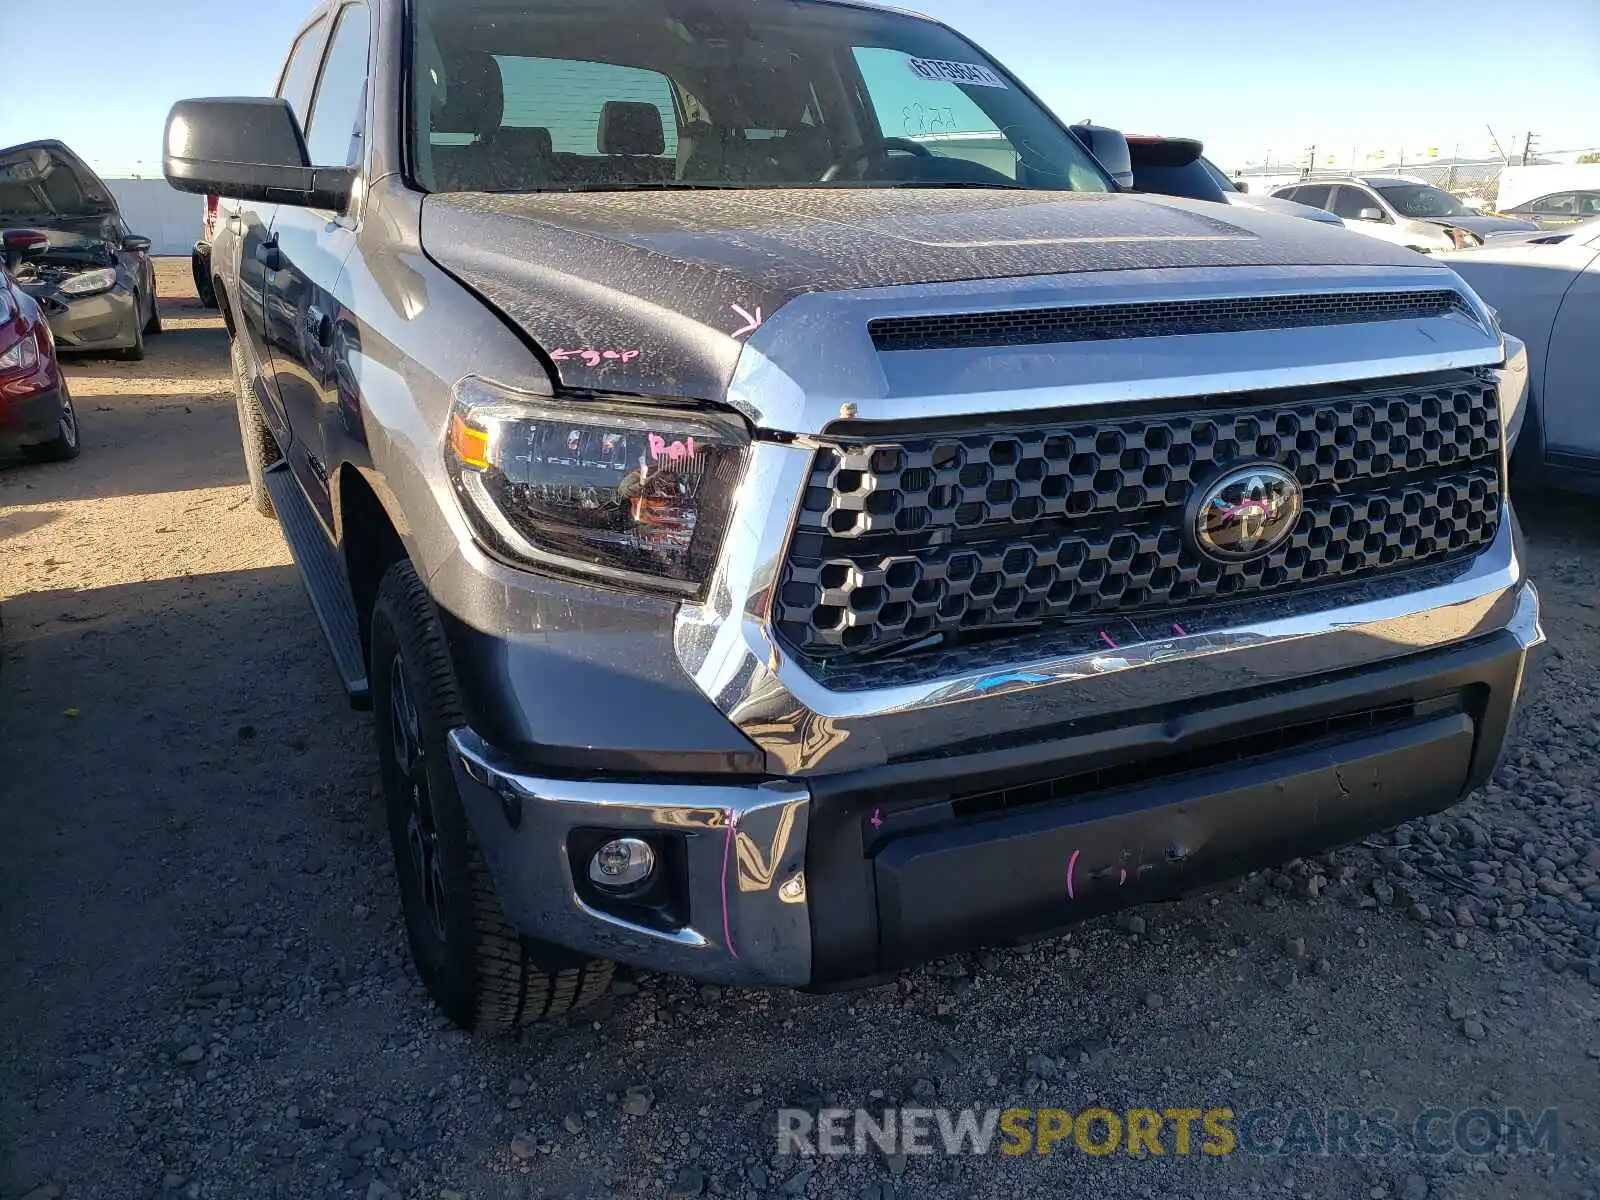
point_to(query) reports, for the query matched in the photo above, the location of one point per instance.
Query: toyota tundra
(779, 548)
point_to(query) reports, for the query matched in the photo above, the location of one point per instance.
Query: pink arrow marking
(877, 818)
(1072, 863)
(751, 323)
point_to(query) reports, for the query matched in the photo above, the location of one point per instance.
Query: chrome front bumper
(746, 848)
(754, 857)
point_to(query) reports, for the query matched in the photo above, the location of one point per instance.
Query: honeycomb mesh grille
(1166, 318)
(965, 532)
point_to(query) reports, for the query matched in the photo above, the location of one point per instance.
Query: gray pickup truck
(779, 550)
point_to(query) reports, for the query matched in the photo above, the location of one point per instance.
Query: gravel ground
(206, 992)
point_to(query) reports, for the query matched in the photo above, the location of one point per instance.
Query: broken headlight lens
(637, 493)
(87, 283)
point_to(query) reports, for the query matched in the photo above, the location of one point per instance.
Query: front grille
(967, 532)
(1166, 318)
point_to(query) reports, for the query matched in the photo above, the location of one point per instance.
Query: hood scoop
(1167, 318)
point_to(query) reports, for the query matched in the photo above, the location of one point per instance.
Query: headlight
(89, 282)
(24, 356)
(632, 492)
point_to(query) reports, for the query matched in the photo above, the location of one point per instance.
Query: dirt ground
(204, 992)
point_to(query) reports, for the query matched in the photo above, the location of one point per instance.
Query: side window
(1589, 204)
(1316, 196)
(338, 120)
(1563, 204)
(567, 97)
(300, 75)
(935, 112)
(1349, 201)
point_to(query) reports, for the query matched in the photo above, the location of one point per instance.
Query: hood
(45, 185)
(1288, 208)
(653, 291)
(1483, 224)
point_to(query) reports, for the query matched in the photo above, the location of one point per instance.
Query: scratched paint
(727, 861)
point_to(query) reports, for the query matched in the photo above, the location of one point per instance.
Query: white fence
(152, 209)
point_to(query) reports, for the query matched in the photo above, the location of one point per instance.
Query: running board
(322, 571)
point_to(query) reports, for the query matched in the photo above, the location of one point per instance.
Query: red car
(36, 414)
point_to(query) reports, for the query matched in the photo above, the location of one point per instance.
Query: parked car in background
(1548, 294)
(36, 413)
(1559, 210)
(1177, 167)
(1402, 211)
(200, 258)
(67, 246)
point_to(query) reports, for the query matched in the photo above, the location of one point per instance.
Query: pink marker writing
(661, 449)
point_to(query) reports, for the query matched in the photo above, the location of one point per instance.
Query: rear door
(251, 223)
(311, 247)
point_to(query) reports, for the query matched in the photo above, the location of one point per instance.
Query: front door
(310, 252)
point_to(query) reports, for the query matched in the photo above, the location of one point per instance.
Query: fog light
(622, 863)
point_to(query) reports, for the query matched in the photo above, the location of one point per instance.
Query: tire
(478, 969)
(65, 445)
(153, 325)
(204, 289)
(260, 447)
(135, 352)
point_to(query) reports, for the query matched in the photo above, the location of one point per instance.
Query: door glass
(934, 112)
(339, 117)
(1349, 201)
(300, 76)
(1316, 197)
(1555, 204)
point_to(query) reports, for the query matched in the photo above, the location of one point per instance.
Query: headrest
(475, 96)
(631, 127)
(531, 141)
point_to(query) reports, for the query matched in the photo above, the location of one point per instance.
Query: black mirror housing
(1110, 149)
(248, 148)
(135, 244)
(1241, 187)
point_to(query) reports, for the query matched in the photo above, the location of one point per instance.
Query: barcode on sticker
(940, 70)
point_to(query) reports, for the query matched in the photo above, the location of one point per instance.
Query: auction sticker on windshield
(939, 69)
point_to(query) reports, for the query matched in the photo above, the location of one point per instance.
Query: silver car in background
(1405, 212)
(1546, 291)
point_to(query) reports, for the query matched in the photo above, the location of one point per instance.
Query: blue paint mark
(995, 681)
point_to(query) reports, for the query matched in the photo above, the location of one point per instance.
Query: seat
(633, 142)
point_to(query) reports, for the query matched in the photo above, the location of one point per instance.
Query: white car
(1546, 291)
(1405, 212)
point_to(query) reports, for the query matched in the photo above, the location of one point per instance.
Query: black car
(1558, 210)
(68, 247)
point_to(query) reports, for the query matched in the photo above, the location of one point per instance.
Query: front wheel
(64, 446)
(260, 447)
(135, 352)
(481, 973)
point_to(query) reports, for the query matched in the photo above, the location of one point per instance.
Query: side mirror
(1370, 214)
(1110, 148)
(134, 244)
(1240, 186)
(248, 149)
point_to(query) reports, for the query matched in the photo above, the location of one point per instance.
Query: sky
(1246, 77)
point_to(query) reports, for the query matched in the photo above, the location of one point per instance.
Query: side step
(323, 574)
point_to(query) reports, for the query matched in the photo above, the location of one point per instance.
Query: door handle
(268, 254)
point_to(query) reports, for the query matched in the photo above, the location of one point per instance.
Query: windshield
(545, 95)
(1420, 200)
